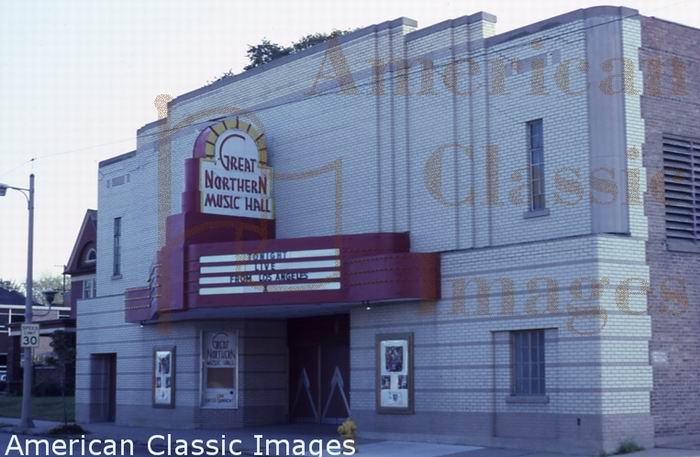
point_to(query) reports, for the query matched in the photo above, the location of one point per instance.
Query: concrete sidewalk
(306, 432)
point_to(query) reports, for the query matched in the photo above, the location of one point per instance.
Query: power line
(17, 167)
(483, 52)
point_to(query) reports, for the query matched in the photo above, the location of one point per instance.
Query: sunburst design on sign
(234, 124)
(234, 178)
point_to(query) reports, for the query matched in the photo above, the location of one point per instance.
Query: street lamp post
(26, 420)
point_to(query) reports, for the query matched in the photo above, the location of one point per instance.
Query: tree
(44, 283)
(316, 38)
(11, 285)
(267, 51)
(40, 285)
(63, 357)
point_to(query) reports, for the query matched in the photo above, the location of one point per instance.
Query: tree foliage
(11, 285)
(63, 358)
(316, 38)
(63, 345)
(47, 282)
(40, 285)
(267, 51)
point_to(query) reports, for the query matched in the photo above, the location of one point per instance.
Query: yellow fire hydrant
(348, 430)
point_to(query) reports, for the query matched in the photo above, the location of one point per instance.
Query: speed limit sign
(30, 335)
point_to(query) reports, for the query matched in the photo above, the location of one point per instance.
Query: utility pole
(28, 372)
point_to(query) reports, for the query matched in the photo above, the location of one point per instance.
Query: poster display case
(220, 369)
(395, 373)
(164, 377)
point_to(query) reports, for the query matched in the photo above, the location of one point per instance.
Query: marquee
(221, 250)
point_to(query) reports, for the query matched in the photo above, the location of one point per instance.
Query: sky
(78, 78)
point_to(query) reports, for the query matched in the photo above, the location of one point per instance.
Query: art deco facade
(446, 233)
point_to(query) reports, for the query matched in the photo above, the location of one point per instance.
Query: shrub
(47, 389)
(67, 429)
(629, 446)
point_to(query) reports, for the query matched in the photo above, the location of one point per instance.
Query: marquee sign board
(256, 274)
(274, 271)
(234, 179)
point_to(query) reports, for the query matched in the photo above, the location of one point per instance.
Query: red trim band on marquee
(333, 269)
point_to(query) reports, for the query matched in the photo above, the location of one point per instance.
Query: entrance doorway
(103, 387)
(319, 369)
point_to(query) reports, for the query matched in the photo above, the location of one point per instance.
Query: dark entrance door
(319, 369)
(103, 388)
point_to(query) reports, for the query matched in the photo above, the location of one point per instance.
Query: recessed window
(682, 191)
(535, 144)
(90, 256)
(89, 288)
(116, 247)
(528, 377)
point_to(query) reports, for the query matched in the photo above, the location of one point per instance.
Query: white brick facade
(451, 169)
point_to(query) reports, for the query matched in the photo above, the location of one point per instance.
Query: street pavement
(248, 444)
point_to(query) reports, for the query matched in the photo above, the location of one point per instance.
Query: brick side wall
(671, 105)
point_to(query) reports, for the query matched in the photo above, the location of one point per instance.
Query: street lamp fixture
(49, 296)
(26, 420)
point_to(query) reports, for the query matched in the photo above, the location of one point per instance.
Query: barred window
(535, 143)
(682, 191)
(528, 362)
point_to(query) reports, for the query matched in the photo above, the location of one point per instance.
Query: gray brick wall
(263, 365)
(598, 373)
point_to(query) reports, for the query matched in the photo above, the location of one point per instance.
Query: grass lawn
(47, 408)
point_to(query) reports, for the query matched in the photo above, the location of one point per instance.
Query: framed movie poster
(164, 377)
(220, 369)
(395, 373)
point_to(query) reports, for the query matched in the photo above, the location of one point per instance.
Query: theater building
(445, 233)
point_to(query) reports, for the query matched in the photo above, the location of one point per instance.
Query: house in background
(11, 310)
(82, 263)
(59, 317)
(50, 319)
